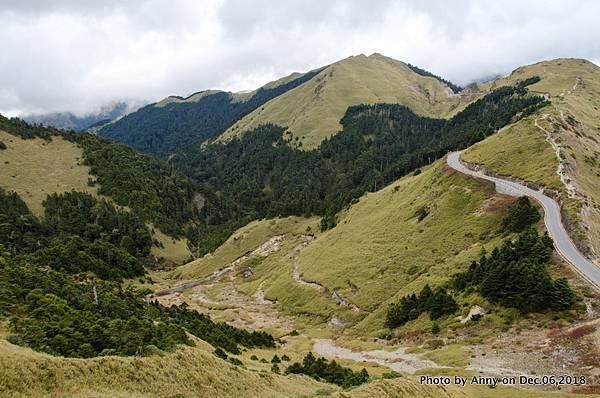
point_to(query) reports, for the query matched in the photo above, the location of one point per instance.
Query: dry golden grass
(36, 168)
(175, 251)
(312, 111)
(190, 372)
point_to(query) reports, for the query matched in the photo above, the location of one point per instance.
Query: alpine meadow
(366, 227)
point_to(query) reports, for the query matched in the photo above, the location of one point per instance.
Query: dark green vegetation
(437, 303)
(332, 372)
(149, 187)
(77, 316)
(521, 215)
(59, 275)
(77, 234)
(218, 334)
(159, 130)
(60, 283)
(259, 175)
(516, 275)
(455, 89)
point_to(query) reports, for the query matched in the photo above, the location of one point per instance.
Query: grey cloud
(78, 55)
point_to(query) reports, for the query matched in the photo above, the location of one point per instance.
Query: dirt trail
(335, 296)
(561, 170)
(296, 267)
(270, 246)
(397, 360)
(256, 311)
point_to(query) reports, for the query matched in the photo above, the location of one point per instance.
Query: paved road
(552, 218)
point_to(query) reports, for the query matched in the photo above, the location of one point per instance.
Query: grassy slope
(190, 372)
(523, 151)
(312, 110)
(377, 247)
(193, 372)
(35, 168)
(242, 241)
(381, 249)
(501, 153)
(173, 250)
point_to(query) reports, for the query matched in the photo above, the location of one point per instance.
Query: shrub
(220, 353)
(235, 361)
(332, 372)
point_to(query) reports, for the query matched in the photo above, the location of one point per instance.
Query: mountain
(313, 110)
(312, 102)
(176, 122)
(346, 264)
(558, 146)
(262, 174)
(70, 121)
(398, 226)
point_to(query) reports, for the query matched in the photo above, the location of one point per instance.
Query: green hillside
(362, 247)
(312, 111)
(375, 253)
(42, 161)
(566, 134)
(175, 122)
(260, 175)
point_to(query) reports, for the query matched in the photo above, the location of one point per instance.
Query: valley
(340, 232)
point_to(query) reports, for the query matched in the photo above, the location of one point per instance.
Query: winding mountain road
(552, 218)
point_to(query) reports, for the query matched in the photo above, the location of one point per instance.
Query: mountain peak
(312, 111)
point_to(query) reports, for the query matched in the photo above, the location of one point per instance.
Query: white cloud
(74, 55)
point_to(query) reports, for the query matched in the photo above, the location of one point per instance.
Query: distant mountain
(71, 121)
(310, 105)
(312, 111)
(176, 122)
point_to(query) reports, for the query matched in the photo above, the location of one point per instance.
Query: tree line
(152, 189)
(516, 275)
(455, 88)
(81, 316)
(78, 233)
(259, 175)
(437, 303)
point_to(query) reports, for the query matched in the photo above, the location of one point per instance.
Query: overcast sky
(78, 55)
